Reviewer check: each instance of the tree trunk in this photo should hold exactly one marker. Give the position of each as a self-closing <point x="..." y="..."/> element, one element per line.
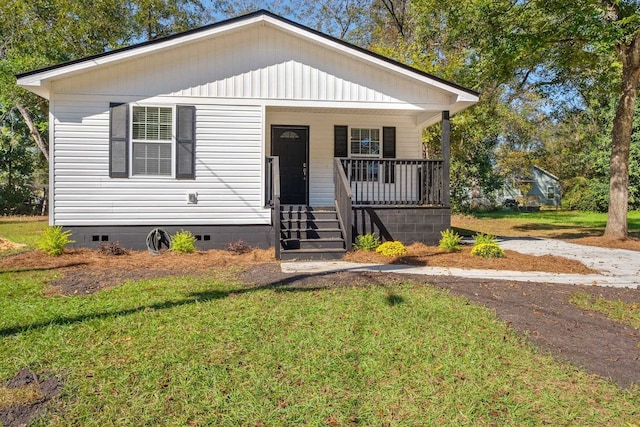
<point x="621" y="141"/>
<point x="33" y="130"/>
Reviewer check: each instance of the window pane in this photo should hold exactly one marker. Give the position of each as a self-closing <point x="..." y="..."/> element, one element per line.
<point x="152" y="123"/>
<point x="151" y="158"/>
<point x="355" y="147"/>
<point x="375" y="147"/>
<point x="165" y="132"/>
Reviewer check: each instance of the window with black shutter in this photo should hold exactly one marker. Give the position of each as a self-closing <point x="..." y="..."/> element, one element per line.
<point x="152" y="141"/>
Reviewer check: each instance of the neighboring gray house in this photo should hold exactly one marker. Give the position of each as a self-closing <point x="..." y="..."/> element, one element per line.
<point x="544" y="189"/>
<point x="256" y="129"/>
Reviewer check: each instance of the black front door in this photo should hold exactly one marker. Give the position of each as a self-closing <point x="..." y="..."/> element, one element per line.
<point x="291" y="145"/>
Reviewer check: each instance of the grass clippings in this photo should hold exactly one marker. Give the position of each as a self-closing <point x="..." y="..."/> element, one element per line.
<point x="8" y="245"/>
<point x="26" y="396"/>
<point x="19" y="396"/>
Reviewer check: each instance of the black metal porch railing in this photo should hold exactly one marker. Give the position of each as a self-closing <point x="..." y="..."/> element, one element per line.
<point x="395" y="182"/>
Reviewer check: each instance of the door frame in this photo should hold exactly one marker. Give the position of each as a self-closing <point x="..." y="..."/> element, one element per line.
<point x="305" y="127"/>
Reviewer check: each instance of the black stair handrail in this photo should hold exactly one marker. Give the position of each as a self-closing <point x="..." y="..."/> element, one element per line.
<point x="274" y="188"/>
<point x="343" y="201"/>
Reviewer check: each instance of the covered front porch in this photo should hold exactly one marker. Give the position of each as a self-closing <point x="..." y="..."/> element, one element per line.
<point x="398" y="198"/>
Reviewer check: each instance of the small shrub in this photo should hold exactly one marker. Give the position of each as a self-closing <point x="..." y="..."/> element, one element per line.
<point x="54" y="240"/>
<point x="238" y="247"/>
<point x="450" y="240"/>
<point x="183" y="242"/>
<point x="111" y="248"/>
<point x="391" y="249"/>
<point x="487" y="250"/>
<point x="367" y="242"/>
<point x="481" y="239"/>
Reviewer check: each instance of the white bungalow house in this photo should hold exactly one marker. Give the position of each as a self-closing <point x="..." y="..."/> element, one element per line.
<point x="256" y="129"/>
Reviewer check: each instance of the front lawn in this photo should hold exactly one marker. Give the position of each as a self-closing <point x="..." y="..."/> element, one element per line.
<point x="210" y="351"/>
<point x="546" y="223"/>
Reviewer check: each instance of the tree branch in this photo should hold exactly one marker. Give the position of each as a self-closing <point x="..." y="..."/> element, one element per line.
<point x="33" y="130"/>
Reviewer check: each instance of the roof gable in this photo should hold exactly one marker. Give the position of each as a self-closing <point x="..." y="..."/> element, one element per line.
<point x="39" y="81"/>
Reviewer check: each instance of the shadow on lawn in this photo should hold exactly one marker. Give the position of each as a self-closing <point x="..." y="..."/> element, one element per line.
<point x="52" y="267"/>
<point x="281" y="284"/>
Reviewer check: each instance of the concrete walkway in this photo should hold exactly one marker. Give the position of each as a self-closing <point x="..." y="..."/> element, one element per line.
<point x="617" y="267"/>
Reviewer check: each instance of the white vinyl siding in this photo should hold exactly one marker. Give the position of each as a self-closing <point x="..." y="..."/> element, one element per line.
<point x="229" y="163"/>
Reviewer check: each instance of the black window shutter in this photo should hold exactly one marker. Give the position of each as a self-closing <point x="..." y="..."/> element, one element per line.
<point x="118" y="140"/>
<point x="340" y="141"/>
<point x="185" y="142"/>
<point x="389" y="152"/>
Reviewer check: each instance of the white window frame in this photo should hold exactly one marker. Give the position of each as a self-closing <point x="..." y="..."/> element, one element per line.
<point x="366" y="156"/>
<point x="553" y="189"/>
<point x="358" y="156"/>
<point x="172" y="142"/>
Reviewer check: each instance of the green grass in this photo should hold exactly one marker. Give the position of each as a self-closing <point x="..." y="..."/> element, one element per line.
<point x="197" y="351"/>
<point x="22" y="230"/>
<point x="560" y="217"/>
<point x="616" y="310"/>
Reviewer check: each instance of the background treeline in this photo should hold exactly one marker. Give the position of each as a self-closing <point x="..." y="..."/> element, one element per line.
<point x="549" y="74"/>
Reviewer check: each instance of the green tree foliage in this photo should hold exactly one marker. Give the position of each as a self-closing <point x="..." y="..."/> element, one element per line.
<point x="480" y="45"/>
<point x="39" y="33"/>
<point x="18" y="160"/>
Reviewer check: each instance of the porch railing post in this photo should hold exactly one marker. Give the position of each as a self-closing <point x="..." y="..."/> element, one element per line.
<point x="343" y="201"/>
<point x="446" y="159"/>
<point x="275" y="213"/>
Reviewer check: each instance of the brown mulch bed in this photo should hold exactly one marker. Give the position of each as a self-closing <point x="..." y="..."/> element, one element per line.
<point x="630" y="243"/>
<point x="432" y="256"/>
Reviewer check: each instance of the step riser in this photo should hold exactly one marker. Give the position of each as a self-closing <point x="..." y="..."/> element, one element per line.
<point x="288" y="256"/>
<point x="316" y="225"/>
<point x="307" y="216"/>
<point x="312" y="244"/>
<point x="310" y="234"/>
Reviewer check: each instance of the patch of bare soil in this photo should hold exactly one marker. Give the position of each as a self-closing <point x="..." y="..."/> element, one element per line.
<point x="541" y="312"/>
<point x="32" y="393"/>
<point x="433" y="256"/>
